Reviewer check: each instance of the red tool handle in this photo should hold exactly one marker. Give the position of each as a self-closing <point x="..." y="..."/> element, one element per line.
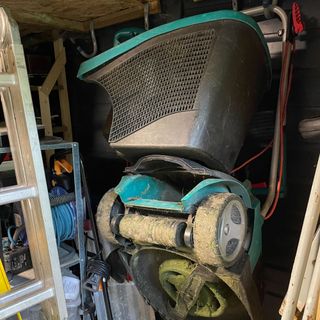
<point x="298" y="26"/>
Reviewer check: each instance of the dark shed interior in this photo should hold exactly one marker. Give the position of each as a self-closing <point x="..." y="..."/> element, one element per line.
<point x="90" y="109"/>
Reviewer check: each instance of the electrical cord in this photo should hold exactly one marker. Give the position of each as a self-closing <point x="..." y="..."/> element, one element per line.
<point x="12" y="241"/>
<point x="253" y="158"/>
<point x="19" y="234"/>
<point x="284" y="96"/>
<point x="64" y="217"/>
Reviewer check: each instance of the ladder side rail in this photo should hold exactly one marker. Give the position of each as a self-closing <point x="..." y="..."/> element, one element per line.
<point x="26" y="154"/>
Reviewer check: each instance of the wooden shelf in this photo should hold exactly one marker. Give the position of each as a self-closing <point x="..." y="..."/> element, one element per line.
<point x="35" y="16"/>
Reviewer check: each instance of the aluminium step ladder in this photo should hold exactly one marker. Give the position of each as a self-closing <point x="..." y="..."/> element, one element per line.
<point x="31" y="188"/>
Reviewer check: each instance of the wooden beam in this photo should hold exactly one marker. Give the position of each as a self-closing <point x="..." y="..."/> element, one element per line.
<point x="128" y="14"/>
<point x="45" y="112"/>
<point x="42" y="19"/>
<point x="35" y="88"/>
<point x="54" y="73"/>
<point x="63" y="93"/>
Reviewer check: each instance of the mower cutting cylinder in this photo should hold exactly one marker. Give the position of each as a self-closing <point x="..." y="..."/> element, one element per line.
<point x="153" y="230"/>
<point x="217" y="234"/>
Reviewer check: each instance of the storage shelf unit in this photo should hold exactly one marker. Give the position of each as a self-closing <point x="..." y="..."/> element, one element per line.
<point x="74" y="147"/>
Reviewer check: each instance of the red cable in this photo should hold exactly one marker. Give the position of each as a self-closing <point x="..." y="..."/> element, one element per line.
<point x="283" y="114"/>
<point x="253" y="158"/>
<point x="280" y="172"/>
<point x="284" y="103"/>
<point x="276" y="199"/>
<point x="283" y="106"/>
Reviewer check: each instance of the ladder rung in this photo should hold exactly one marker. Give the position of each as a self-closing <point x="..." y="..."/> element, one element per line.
<point x="7" y="79"/>
<point x="20" y="291"/>
<point x="22" y="298"/>
<point x="3" y="130"/>
<point x="16" y="193"/>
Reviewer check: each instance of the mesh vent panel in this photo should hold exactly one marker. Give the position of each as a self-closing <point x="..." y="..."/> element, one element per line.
<point x="161" y="80"/>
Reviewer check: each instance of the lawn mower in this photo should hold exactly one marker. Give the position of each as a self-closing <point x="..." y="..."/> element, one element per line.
<point x="183" y="95"/>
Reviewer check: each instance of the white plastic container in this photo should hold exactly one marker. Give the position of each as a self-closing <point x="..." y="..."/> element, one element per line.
<point x="73" y="308"/>
<point x="71" y="286"/>
<point x="127" y="303"/>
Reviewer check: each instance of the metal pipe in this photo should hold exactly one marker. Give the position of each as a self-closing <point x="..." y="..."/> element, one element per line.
<point x="273" y="36"/>
<point x="276" y="136"/>
<point x="146" y="9"/>
<point x="313" y="293"/>
<point x="96" y="239"/>
<point x="94" y="44"/>
<point x="305" y="241"/>
<point x="79" y="219"/>
<point x="284" y="20"/>
<point x="284" y="75"/>
<point x="257" y="11"/>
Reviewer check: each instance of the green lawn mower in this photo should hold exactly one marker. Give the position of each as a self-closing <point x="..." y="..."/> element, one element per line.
<point x="183" y="95"/>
